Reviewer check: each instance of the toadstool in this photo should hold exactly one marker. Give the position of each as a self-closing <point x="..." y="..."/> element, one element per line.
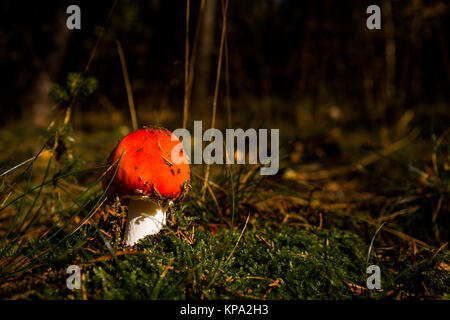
<point x="148" y="178"/>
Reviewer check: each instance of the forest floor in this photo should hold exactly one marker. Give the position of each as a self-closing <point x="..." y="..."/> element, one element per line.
<point x="345" y="198"/>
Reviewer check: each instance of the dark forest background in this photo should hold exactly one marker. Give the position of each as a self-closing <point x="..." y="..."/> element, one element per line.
<point x="311" y="52"/>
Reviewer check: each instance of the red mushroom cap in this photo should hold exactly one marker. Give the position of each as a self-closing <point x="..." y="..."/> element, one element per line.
<point x="146" y="168"/>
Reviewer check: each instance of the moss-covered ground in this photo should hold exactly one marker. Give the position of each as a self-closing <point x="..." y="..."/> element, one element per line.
<point x="309" y="232"/>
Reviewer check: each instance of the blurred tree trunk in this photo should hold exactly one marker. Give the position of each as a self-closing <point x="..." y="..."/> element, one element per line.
<point x="306" y="55"/>
<point x="202" y="85"/>
<point x="416" y="72"/>
<point x="443" y="46"/>
<point x="49" y="67"/>
<point x="404" y="74"/>
<point x="390" y="49"/>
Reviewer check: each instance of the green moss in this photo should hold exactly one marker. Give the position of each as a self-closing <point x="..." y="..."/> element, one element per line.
<point x="267" y="263"/>
<point x="293" y="264"/>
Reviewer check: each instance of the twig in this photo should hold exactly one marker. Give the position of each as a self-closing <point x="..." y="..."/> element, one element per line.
<point x="368" y="160"/>
<point x="436" y="147"/>
<point x="439" y="250"/>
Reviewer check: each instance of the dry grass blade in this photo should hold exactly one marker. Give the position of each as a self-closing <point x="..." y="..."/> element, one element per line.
<point x="219" y="209"/>
<point x="121" y="253"/>
<point x="372" y="241"/>
<point x="397" y="233"/>
<point x="239" y="239"/>
<point x="190" y="70"/>
<point x="89" y="218"/>
<point x="186" y="68"/>
<point x="44" y="153"/>
<point x="398" y="213"/>
<point x="440" y="249"/>
<point x="216" y="89"/>
<point x="227" y="81"/>
<point x="127" y="85"/>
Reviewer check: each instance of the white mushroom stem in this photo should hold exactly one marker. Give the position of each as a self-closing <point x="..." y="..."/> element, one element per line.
<point x="145" y="217"/>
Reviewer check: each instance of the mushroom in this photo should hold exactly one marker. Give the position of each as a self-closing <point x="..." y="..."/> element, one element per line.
<point x="148" y="178"/>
